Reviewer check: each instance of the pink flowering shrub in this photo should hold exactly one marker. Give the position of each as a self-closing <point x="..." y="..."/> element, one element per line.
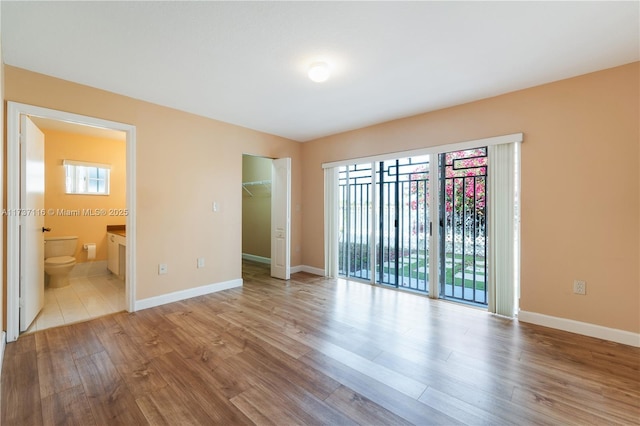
<point x="462" y="168"/>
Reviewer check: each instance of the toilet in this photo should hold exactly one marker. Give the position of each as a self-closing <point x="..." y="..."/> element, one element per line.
<point x="59" y="260"/>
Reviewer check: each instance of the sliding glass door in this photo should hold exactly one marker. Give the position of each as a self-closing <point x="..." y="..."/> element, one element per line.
<point x="463" y="219"/>
<point x="355" y="202"/>
<point x="386" y="223"/>
<point x="402" y="251"/>
<point x="442" y="220"/>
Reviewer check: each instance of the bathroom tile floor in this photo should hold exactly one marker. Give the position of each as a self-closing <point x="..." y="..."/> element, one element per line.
<point x="85" y="298"/>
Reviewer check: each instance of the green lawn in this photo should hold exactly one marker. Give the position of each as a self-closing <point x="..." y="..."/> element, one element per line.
<point x="413" y="266"/>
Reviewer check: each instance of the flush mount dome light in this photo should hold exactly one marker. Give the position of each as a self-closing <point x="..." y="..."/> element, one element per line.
<point x="319" y="72"/>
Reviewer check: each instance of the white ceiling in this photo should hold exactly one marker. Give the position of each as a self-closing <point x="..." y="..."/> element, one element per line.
<point x="80" y="129"/>
<point x="245" y="62"/>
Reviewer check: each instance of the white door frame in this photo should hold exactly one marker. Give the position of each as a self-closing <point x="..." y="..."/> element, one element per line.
<point x="271" y="209"/>
<point x="14" y="111"/>
<point x="281" y="226"/>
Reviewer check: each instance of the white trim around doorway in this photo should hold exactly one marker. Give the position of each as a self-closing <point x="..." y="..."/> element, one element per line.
<point x="14" y="111"/>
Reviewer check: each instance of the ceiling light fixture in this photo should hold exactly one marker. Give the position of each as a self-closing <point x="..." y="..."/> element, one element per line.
<point x="319" y="72"/>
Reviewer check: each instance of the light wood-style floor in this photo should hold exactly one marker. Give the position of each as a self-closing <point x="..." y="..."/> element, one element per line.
<point x="315" y="351"/>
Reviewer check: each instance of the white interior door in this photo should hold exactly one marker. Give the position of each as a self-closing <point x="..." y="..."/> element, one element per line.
<point x="32" y="222"/>
<point x="281" y="218"/>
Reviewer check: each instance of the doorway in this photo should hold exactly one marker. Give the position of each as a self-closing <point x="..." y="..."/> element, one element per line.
<point x="386" y="223"/>
<point x="16" y="291"/>
<point x="385" y="216"/>
<point x="468" y="196"/>
<point x="266" y="211"/>
<point x="463" y="225"/>
<point x="256" y="208"/>
<point x="84" y="195"/>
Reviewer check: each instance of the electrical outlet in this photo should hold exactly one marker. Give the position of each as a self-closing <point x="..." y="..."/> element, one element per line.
<point x="201" y="262"/>
<point x="580" y="287"/>
<point x="162" y="269"/>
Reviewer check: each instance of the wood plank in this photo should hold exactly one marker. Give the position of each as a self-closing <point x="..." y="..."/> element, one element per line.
<point x="291" y="369"/>
<point x="573" y="396"/>
<point x="144" y="338"/>
<point x="246" y="405"/>
<point x="557" y="369"/>
<point x="269" y="334"/>
<point x="203" y="353"/>
<point x="436" y="371"/>
<point x="21" y="403"/>
<point x="155" y="319"/>
<point x="169" y="406"/>
<point x="152" y="412"/>
<point x="264" y="379"/>
<point x="559" y="410"/>
<point x="110" y="400"/>
<point x="56" y="367"/>
<point x="481" y="395"/>
<point x="283" y="407"/>
<point x="131" y="359"/>
<point x="460" y="409"/>
<point x="83" y="341"/>
<point x="68" y="407"/>
<point x="190" y="383"/>
<point x="26" y="343"/>
<point x="196" y="322"/>
<point x="408" y="408"/>
<point x="227" y="380"/>
<point x="361" y="409"/>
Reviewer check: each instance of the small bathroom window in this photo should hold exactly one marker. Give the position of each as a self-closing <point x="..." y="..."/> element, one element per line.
<point x="86" y="178"/>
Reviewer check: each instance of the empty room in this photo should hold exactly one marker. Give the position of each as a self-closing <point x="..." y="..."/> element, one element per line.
<point x="292" y="213"/>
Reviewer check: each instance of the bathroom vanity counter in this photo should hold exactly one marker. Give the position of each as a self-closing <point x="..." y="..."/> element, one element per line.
<point x="116" y="249"/>
<point x="117" y="230"/>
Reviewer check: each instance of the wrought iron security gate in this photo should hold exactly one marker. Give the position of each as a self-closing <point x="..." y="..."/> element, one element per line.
<point x="355" y="215"/>
<point x="403" y="235"/>
<point x="402" y="246"/>
<point x="463" y="232"/>
<point x="402" y="229"/>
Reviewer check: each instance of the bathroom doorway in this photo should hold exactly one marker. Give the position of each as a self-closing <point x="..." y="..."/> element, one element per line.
<point x="84" y="196"/>
<point x="65" y="127"/>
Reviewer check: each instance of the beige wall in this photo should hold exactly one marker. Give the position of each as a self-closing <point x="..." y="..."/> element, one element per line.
<point x="256" y="207"/>
<point x="184" y="163"/>
<point x="61" y="146"/>
<point x="3" y="246"/>
<point x="580" y="186"/>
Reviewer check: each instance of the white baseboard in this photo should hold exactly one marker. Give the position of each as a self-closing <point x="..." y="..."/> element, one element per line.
<point x="295" y="269"/>
<point x="255" y="258"/>
<point x="176" y="296"/>
<point x="308" y="269"/>
<point x="584" y="328"/>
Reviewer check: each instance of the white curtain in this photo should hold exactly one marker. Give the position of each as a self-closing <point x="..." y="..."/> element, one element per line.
<point x="331" y="230"/>
<point x="503" y="229"/>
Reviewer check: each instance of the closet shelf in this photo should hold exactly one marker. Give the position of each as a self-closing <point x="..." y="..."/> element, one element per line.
<point x="262" y="183"/>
